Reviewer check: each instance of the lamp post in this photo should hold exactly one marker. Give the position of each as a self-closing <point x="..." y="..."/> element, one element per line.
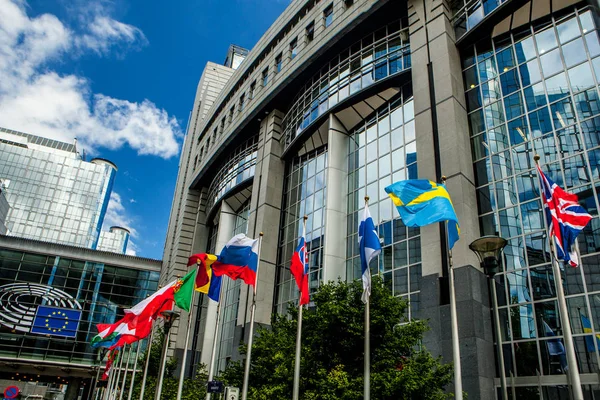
<point x="488" y="250"/>
<point x="169" y="317"/>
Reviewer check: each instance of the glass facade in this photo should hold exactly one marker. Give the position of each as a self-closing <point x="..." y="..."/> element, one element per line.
<point x="304" y="194"/>
<point x="231" y="299"/>
<point x="95" y="292"/>
<point x="469" y="13"/>
<point x="53" y="194"/>
<point x="382" y="53"/>
<point x="114" y="241"/>
<point x="536" y="91"/>
<point x="382" y="150"/>
<point x="238" y="168"/>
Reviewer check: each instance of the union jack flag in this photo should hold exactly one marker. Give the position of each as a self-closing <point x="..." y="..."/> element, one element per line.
<point x="565" y="218"/>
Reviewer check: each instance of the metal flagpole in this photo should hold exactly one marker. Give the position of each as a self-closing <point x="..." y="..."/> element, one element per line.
<point x="296" y="390"/>
<point x="111" y="376"/>
<point x="148" y="351"/>
<point x="116" y="385"/>
<point x="500" y="350"/>
<point x="137" y="356"/>
<point x="573" y="370"/>
<point x="94" y="392"/>
<point x="125" y="374"/>
<point x="185" y="347"/>
<point x="367" y="346"/>
<point x="458" y="394"/>
<point x="213" y="354"/>
<point x="108" y="383"/>
<point x="251" y="333"/>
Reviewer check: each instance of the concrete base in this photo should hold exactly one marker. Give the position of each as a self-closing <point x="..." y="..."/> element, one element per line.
<point x="474" y="327"/>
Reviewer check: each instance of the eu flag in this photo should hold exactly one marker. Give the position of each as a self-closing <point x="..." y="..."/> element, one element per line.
<point x="56" y="321"/>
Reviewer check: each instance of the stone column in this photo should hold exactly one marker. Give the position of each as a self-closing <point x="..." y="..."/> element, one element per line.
<point x="443" y="148"/>
<point x="264" y="216"/>
<point x="73" y="389"/>
<point x="226" y="226"/>
<point x="334" y="248"/>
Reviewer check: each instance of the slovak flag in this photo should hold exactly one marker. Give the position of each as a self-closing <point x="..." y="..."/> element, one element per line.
<point x="299" y="268"/>
<point x="369" y="247"/>
<point x="565" y="218"/>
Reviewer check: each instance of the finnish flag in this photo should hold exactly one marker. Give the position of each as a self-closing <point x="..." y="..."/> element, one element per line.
<point x="369" y="246"/>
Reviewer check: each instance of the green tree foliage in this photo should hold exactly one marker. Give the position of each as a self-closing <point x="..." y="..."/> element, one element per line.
<point x="332" y="362"/>
<point x="193" y="389"/>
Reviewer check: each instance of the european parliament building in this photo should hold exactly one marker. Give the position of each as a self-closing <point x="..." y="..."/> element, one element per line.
<point x="340" y="98"/>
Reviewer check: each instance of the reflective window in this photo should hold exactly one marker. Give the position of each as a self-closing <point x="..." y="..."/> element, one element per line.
<point x="373" y="58"/>
<point x="555" y="115"/>
<point x="304" y="194"/>
<point x="382" y="150"/>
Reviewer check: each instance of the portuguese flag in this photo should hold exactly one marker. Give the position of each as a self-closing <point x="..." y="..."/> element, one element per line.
<point x="184" y="289"/>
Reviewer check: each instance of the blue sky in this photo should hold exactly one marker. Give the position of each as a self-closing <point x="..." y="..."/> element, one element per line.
<point x="121" y="77"/>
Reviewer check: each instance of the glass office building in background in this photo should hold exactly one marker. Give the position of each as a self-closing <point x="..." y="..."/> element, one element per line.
<point x="53" y="194"/>
<point x="339" y="99"/>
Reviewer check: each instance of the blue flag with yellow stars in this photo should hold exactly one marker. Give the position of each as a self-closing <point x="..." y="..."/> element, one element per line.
<point x="56" y="321"/>
<point x="422" y="202"/>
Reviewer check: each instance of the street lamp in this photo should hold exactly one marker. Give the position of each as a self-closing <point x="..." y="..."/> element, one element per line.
<point x="169" y="317"/>
<point x="488" y="250"/>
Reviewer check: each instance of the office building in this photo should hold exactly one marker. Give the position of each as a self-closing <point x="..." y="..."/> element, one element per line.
<point x="43" y="282"/>
<point x="340" y="98"/>
<point x="54" y="195"/>
<point x="114" y="240"/>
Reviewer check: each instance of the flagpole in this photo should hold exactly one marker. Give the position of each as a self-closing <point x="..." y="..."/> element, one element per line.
<point x="251" y="333"/>
<point x="213" y="354"/>
<point x="458" y="393"/>
<point x="137" y="355"/>
<point x="573" y="370"/>
<point x="185" y="347"/>
<point x="109" y="380"/>
<point x="111" y="375"/>
<point x="148" y="351"/>
<point x="116" y="387"/>
<point x="296" y="390"/>
<point x="367" y="344"/>
<point x="125" y="374"/>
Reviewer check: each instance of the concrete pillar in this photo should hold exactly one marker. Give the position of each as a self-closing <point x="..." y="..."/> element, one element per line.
<point x="73" y="389"/>
<point x="443" y="134"/>
<point x="264" y="216"/>
<point x="334" y="248"/>
<point x="226" y="226"/>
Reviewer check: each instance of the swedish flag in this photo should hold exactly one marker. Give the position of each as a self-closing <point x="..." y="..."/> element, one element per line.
<point x="422" y="202"/>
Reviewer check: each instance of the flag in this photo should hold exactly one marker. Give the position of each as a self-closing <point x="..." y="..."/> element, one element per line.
<point x="369" y="247"/>
<point x="183" y="290"/>
<point x="211" y="284"/>
<point x="565" y="218"/>
<point x="202" y="277"/>
<point x="148" y="310"/>
<point x="56" y="321"/>
<point x="299" y="268"/>
<point x="238" y="259"/>
<point x="555" y="346"/>
<point x="109" y="362"/>
<point x="422" y="202"/>
<point x="587" y="328"/>
<point x="124" y="331"/>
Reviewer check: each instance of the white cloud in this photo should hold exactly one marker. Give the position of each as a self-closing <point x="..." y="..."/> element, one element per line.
<point x="38" y="100"/>
<point x="116" y="215"/>
<point x="132" y="249"/>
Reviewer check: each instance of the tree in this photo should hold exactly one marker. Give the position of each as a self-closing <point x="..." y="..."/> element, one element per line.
<point x="332" y="360"/>
<point x="193" y="388"/>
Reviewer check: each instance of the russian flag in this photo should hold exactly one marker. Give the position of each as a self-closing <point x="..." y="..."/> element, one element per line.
<point x="238" y="259"/>
<point x="299" y="268"/>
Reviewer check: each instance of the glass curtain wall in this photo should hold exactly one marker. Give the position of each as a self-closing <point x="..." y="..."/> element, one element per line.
<point x="383" y="150"/>
<point x="304" y="194"/>
<point x="102" y="291"/>
<point x="536" y="91"/>
<point x="231" y="298"/>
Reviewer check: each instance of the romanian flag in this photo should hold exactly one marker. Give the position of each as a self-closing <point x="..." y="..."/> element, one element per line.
<point x="422" y="202"/>
<point x="206" y="282"/>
